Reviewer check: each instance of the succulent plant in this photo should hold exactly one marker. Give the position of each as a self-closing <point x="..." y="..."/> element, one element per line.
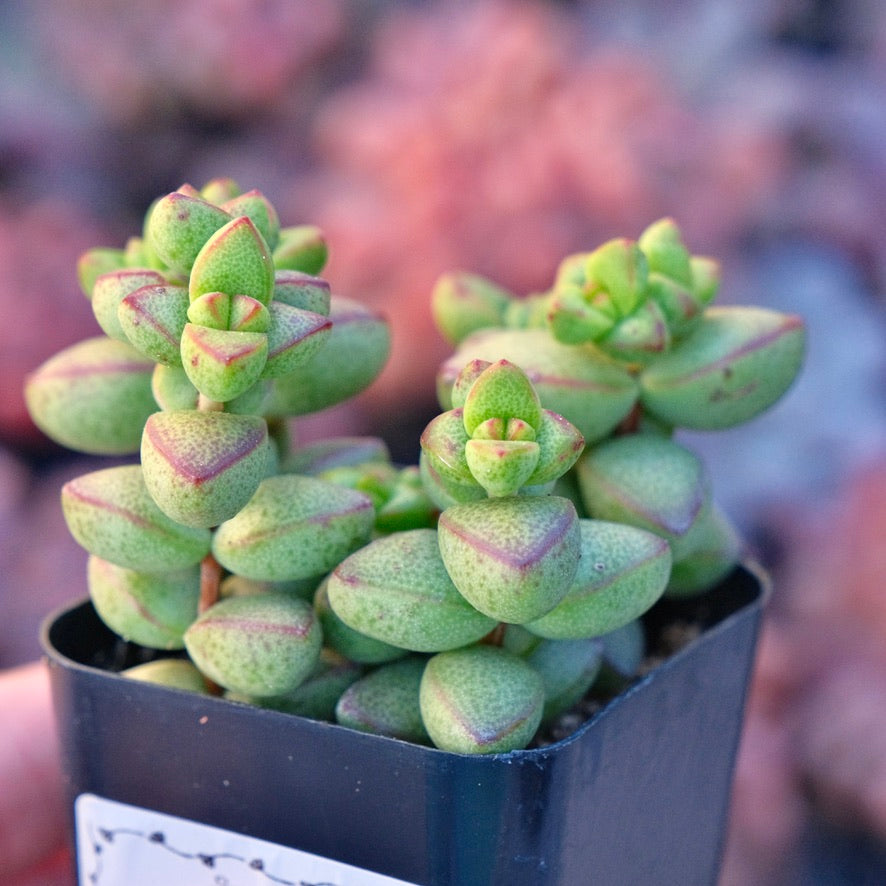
<point x="461" y="601"/>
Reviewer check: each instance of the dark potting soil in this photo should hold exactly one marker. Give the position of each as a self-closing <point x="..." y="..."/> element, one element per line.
<point x="668" y="639"/>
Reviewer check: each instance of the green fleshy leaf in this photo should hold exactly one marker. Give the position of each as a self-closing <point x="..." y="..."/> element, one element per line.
<point x="623" y="652"/>
<point x="529" y="312"/>
<point x="385" y="702"/>
<point x="560" y="445"/>
<point x="622" y="572"/>
<point x="151" y="609"/>
<point x="647" y="481"/>
<point x="442" y="489"/>
<point x="219" y="190"/>
<point x="174" y="673"/>
<point x="202" y="467"/>
<point x="464" y="381"/>
<point x="512" y="558"/>
<point x="480" y="700"/>
<point x="568" y="669"/>
<point x="641" y="336"/>
<point x="397" y="590"/>
<point x="262" y="645"/>
<point x="502" y="390"/>
<point x="295" y="337"/>
<point x="153" y="318"/>
<point x="620" y="268"/>
<point x="94" y="396"/>
<point x="461" y="303"/>
<point x="294" y="527"/>
<point x="316" y="696"/>
<point x="374" y="480"/>
<point x="353" y="645"/>
<point x="714" y="548"/>
<point x="95" y="262"/>
<point x="111" y="514"/>
<point x="222" y="364"/>
<point x="255" y="206"/>
<point x="409" y="506"/>
<point x="303" y="291"/>
<point x="443" y="444"/>
<point x="235" y="260"/>
<point x="239" y="313"/>
<point x="172" y="389"/>
<point x="111" y="288"/>
<point x="501" y="467"/>
<point x="736" y="363"/>
<point x="705" y="278"/>
<point x="179" y="225"/>
<point x="662" y="244"/>
<point x="573" y="319"/>
<point x="678" y="303"/>
<point x="351" y="359"/>
<point x="301" y="248"/>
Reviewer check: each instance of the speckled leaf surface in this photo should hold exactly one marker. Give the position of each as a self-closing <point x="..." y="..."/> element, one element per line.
<point x="294" y="527"/>
<point x="397" y="590"/>
<point x="202" y="467"/>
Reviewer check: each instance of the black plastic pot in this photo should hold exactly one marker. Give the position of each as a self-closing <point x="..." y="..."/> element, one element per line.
<point x="638" y="795"/>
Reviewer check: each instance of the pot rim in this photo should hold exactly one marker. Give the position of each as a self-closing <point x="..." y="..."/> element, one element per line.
<point x="758" y="593"/>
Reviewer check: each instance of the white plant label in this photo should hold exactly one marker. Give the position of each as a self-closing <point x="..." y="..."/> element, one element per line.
<point x="123" y="845"/>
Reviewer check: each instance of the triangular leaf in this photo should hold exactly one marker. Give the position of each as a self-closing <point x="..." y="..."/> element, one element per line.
<point x="235" y="260"/>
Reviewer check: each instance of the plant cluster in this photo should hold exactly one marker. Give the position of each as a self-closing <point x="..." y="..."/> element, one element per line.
<point x="463" y="601"/>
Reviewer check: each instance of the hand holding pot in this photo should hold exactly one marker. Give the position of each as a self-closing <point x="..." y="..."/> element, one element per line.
<point x="33" y="818"/>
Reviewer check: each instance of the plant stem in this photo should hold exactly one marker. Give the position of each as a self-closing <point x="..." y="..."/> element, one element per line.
<point x="210" y="582"/>
<point x="210" y="569"/>
<point x="496" y="636"/>
<point x="204" y="404"/>
<point x="630" y="424"/>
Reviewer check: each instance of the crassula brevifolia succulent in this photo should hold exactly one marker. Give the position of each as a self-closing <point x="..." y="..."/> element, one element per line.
<point x="463" y="601"/>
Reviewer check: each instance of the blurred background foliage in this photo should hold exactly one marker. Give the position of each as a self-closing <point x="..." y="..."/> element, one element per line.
<point x="497" y="137"/>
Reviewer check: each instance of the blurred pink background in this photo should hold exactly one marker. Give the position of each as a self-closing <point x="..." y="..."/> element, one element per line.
<point x="497" y="137"/>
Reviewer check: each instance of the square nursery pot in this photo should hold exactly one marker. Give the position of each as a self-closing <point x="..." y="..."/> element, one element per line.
<point x="173" y="787"/>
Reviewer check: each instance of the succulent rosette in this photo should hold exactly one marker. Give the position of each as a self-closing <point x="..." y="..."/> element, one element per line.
<point x="462" y="601"/>
<point x="498" y="438"/>
<point x="632" y="298"/>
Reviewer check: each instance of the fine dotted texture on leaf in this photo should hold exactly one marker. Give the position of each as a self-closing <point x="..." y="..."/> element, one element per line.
<point x="480" y="700"/>
<point x="647" y="481"/>
<point x="109" y="291"/>
<point x="354" y="354"/>
<point x="736" y="363"/>
<point x="622" y="572"/>
<point x="152" y="609"/>
<point x="111" y="514"/>
<point x="262" y="645"/>
<point x="583" y="386"/>
<point x="153" y="319"/>
<point x="179" y="225"/>
<point x="234" y="260"/>
<point x="294" y="527"/>
<point x="513" y="558"/>
<point x="397" y="590"/>
<point x="220" y="363"/>
<point x="94" y="396"/>
<point x="202" y="467"/>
